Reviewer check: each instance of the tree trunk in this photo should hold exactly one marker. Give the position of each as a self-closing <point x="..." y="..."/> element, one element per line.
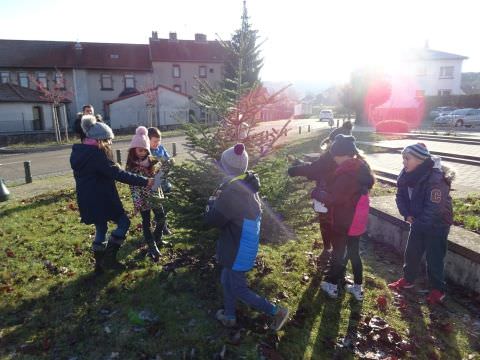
<point x="55" y="124"/>
<point x="66" y="122"/>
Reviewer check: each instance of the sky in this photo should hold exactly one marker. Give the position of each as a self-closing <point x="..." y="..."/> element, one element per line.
<point x="310" y="41"/>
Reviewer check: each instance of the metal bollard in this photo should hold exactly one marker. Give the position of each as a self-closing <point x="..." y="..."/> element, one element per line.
<point x="174" y="149"/>
<point x="338" y="123"/>
<point x="28" y="172"/>
<point x="299" y="130"/>
<point x="119" y="157"/>
<point x="308" y="128"/>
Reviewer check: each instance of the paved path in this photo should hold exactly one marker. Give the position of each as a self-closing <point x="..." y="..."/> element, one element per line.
<point x="452" y="148"/>
<point x="467" y="176"/>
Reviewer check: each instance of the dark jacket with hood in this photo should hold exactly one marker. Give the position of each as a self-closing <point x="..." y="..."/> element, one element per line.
<point x="235" y="209"/>
<point x="95" y="177"/>
<point x="347" y="198"/>
<point x="424" y="194"/>
<point x="321" y="170"/>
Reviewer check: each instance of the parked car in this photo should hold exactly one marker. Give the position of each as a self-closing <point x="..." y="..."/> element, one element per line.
<point x="442" y="110"/>
<point x="326" y="115"/>
<point x="461" y="117"/>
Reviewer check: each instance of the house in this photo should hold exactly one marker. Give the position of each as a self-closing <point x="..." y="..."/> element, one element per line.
<point x="97" y="73"/>
<point x="160" y="106"/>
<point x="435" y="72"/>
<point x="25" y="110"/>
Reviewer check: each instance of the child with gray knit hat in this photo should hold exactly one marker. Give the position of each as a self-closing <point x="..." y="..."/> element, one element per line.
<point x="95" y="174"/>
<point x="235" y="208"/>
<point x="423" y="199"/>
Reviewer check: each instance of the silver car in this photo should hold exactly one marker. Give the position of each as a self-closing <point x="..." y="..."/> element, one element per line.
<point x="461" y="117"/>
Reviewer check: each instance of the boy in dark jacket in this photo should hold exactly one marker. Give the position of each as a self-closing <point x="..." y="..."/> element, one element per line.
<point x="423" y="199"/>
<point x="235" y="209"/>
<point x="97" y="197"/>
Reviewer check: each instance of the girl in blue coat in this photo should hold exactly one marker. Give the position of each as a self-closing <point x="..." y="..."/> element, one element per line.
<point x="95" y="174"/>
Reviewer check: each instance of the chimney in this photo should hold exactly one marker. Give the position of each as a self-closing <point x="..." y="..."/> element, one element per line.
<point x="200" y="37"/>
<point x="154" y="35"/>
<point x="172" y="36"/>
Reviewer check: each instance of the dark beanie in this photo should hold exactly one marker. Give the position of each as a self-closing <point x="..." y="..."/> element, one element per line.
<point x="343" y="145"/>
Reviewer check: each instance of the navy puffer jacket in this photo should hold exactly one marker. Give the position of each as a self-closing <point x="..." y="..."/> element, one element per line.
<point x="95" y="177"/>
<point x="426" y="195"/>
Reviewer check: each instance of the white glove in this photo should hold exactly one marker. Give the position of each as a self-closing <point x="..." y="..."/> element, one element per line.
<point x="157" y="181"/>
<point x="319" y="207"/>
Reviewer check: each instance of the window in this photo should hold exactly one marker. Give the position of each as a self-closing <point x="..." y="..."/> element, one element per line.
<point x="211" y="70"/>
<point x="176" y="71"/>
<point x="177" y="88"/>
<point x="106" y="82"/>
<point x="59" y="80"/>
<point x="446" y="72"/>
<point x="23" y="79"/>
<point x="444" y="92"/>
<point x="42" y="78"/>
<point x="202" y="71"/>
<point x="419" y="93"/>
<point x="4" y="77"/>
<point x="129" y="81"/>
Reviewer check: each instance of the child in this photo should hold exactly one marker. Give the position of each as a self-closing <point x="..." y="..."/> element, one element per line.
<point x="322" y="171"/>
<point x="424" y="201"/>
<point x="98" y="201"/>
<point x="159" y="151"/>
<point x="235" y="209"/>
<point x="139" y="161"/>
<point x="347" y="199"/>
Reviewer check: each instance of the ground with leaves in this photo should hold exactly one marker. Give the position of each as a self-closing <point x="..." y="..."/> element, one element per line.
<point x="51" y="305"/>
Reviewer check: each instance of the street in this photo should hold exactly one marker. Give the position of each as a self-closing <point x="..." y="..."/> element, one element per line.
<point x="57" y="161"/>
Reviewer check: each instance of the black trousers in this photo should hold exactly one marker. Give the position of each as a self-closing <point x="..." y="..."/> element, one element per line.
<point x="345" y="248"/>
<point x="431" y="241"/>
<point x="325" y="230"/>
<point x="159" y="216"/>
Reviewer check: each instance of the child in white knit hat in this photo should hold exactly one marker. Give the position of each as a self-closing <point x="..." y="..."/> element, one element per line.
<point x="145" y="200"/>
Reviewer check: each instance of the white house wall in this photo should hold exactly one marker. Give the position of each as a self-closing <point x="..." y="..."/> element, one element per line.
<point x="172" y="109"/>
<point x="431" y="82"/>
<point x="18" y="117"/>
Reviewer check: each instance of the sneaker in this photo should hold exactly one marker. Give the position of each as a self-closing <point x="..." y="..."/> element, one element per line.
<point x="400" y="284"/>
<point x="225" y="320"/>
<point x="279" y="318"/>
<point x="435" y="297"/>
<point x="330" y="289"/>
<point x="356" y="290"/>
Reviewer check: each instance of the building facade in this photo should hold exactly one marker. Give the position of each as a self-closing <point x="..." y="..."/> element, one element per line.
<point x="98" y="73"/>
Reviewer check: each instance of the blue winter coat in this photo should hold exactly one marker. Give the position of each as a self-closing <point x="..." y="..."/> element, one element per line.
<point x="428" y="201"/>
<point x="95" y="177"/>
<point x="236" y="210"/>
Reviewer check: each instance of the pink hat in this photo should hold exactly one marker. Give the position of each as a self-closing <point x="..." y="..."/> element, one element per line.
<point x="140" y="139"/>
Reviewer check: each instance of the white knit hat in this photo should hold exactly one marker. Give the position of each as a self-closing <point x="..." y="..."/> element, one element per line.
<point x="95" y="129"/>
<point x="234" y="160"/>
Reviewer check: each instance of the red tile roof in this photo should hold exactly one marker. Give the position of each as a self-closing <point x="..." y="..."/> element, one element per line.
<point x="14" y="93"/>
<point x="63" y="54"/>
<point x="186" y="50"/>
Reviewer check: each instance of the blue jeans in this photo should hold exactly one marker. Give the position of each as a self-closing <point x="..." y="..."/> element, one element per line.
<point x="100" y="241"/>
<point x="235" y="288"/>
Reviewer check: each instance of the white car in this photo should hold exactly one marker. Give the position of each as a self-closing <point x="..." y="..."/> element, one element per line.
<point x="461" y="117"/>
<point x="326" y="115"/>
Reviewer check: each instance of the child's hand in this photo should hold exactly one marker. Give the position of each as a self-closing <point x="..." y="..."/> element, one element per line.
<point x="150" y="183"/>
<point x="409" y="219"/>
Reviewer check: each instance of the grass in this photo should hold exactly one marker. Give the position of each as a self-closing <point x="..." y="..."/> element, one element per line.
<point x="467" y="212"/>
<point x="52" y="307"/>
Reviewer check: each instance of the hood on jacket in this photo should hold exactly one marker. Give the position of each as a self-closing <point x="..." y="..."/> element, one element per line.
<point x="81" y="155"/>
<point x="449" y="174"/>
<point x="251" y="183"/>
<point x="362" y="171"/>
